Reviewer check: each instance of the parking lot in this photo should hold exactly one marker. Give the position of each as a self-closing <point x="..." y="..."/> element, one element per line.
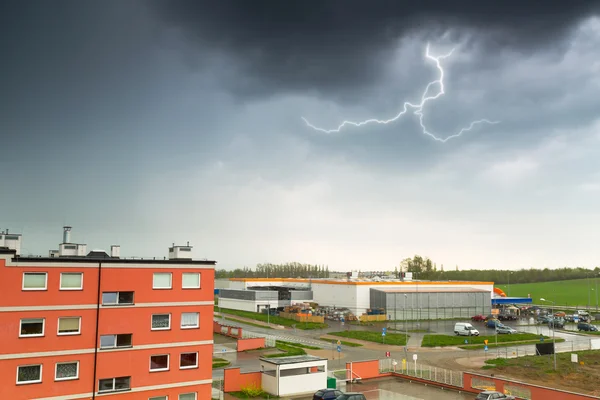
<point x="399" y="389"/>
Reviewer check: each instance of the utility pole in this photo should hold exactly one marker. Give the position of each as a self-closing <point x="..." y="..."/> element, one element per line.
<point x="553" y="329"/>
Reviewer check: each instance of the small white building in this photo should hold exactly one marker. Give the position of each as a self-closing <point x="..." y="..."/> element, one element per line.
<point x="294" y="375"/>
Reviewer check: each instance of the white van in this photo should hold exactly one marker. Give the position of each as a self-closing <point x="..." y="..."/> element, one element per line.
<point x="465" y="329"/>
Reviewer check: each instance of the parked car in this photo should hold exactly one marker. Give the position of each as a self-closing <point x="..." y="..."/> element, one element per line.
<point x="543" y="320"/>
<point x="584" y="326"/>
<point x="351" y="396"/>
<point x="507" y="317"/>
<point x="556" y="323"/>
<point x="465" y="329"/>
<point x="489" y="395"/>
<point x="327" y="394"/>
<point x="478" y="318"/>
<point x="505" y="329"/>
<point x="493" y="323"/>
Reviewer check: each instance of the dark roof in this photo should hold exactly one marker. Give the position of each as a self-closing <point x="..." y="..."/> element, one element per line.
<point x="97" y="254"/>
<point x="111" y="260"/>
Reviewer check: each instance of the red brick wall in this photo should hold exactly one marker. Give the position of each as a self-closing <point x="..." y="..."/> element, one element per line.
<point x="234" y="381"/>
<point x="250" y="344"/>
<point x="365" y="369"/>
<point x="537" y="392"/>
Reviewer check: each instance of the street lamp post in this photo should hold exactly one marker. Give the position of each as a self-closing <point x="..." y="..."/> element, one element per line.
<point x="509" y="272"/>
<point x="405" y="320"/>
<point x="553" y="329"/>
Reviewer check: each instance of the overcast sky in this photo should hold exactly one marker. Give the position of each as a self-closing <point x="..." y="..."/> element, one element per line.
<point x="147" y="123"/>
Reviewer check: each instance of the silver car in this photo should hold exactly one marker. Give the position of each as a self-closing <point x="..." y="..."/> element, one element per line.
<point x="505" y="329"/>
<point x="489" y="395"/>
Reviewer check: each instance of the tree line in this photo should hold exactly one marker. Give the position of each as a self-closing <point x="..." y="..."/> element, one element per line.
<point x="424" y="268"/>
<point x="287" y="270"/>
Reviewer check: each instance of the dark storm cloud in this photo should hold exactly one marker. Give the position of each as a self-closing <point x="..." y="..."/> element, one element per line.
<point x="326" y="44"/>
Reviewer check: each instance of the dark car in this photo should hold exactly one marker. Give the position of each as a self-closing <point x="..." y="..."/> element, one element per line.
<point x="556" y="323"/>
<point x="489" y="395"/>
<point x="493" y="323"/>
<point x="583" y="326"/>
<point x="507" y="317"/>
<point x="327" y="394"/>
<point x="351" y="396"/>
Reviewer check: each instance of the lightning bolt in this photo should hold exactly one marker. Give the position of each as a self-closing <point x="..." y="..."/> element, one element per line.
<point x="417" y="108"/>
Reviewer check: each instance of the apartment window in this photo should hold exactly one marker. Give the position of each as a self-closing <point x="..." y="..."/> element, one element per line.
<point x="190" y="280"/>
<point x="66" y="371"/>
<point x="188" y="396"/>
<point x="35" y="280"/>
<point x="161" y="322"/>
<point x="159" y="398"/>
<point x="71" y="281"/>
<point x="190" y="320"/>
<point x="162" y="280"/>
<point x="32" y="327"/>
<point x="29" y="374"/>
<point x="69" y="325"/>
<point x="114" y="384"/>
<point x="116" y="341"/>
<point x="117" y="298"/>
<point x="188" y="360"/>
<point x="159" y="362"/>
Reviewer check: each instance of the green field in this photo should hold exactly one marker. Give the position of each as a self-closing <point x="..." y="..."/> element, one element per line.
<point x="391" y="338"/>
<point x="271" y="319"/>
<point x="447" y="340"/>
<point x="573" y="293"/>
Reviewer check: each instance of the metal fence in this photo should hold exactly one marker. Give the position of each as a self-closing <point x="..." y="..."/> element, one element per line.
<point x="579" y="344"/>
<point x="269" y="340"/>
<point x="217" y="389"/>
<point x="422" y="371"/>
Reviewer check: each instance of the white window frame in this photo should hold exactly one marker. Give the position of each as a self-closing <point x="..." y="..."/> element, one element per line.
<point x="191" y="287"/>
<point x="34" y="289"/>
<point x="160" y="329"/>
<point x="182" y="394"/>
<point x="115" y="341"/>
<point x="59" y="333"/>
<point x="30" y="382"/>
<point x="71" y="273"/>
<point x="189" y="366"/>
<point x="190" y="327"/>
<point x="160" y="369"/>
<point x="35" y="335"/>
<point x="159" y="287"/>
<point x="70" y="378"/>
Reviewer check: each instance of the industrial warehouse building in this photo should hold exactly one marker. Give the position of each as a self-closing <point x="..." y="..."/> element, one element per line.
<point x="401" y="299"/>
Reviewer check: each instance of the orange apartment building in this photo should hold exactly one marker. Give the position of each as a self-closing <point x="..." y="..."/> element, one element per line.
<point x="76" y="326"/>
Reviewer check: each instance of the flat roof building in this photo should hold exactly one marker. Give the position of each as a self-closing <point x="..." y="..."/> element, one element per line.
<point x="80" y="326"/>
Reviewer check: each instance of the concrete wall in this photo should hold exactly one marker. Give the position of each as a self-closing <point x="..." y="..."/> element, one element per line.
<point x="233" y="304"/>
<point x="250" y="344"/>
<point x="304" y="383"/>
<point x="234" y="380"/>
<point x="364" y="369"/>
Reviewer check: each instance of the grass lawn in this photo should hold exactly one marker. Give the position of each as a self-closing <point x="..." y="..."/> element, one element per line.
<point x="272" y="319"/>
<point x="447" y="340"/>
<point x="343" y="342"/>
<point x="287" y="349"/>
<point x="564" y="293"/>
<point x="395" y="339"/>
<point x="239" y="321"/>
<point x="302" y="346"/>
<point x="219" y="363"/>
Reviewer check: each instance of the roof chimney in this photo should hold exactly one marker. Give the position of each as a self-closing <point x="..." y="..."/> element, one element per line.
<point x="66" y="234"/>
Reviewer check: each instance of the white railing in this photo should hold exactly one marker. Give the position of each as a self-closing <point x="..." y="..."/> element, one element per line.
<point x="217" y="389"/>
<point x="269" y="340"/>
<point x="423" y="371"/>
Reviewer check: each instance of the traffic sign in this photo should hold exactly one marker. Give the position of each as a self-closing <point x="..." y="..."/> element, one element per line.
<point x="384" y="329"/>
<point x="387" y="353"/>
<point x="485" y="348"/>
<point x="339" y="342"/>
<point x="485" y="341"/>
<point x="339" y="349"/>
<point x="383" y="333"/>
<point x="466" y="341"/>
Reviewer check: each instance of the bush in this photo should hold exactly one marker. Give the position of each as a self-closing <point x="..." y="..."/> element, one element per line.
<point x="252" y="391"/>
